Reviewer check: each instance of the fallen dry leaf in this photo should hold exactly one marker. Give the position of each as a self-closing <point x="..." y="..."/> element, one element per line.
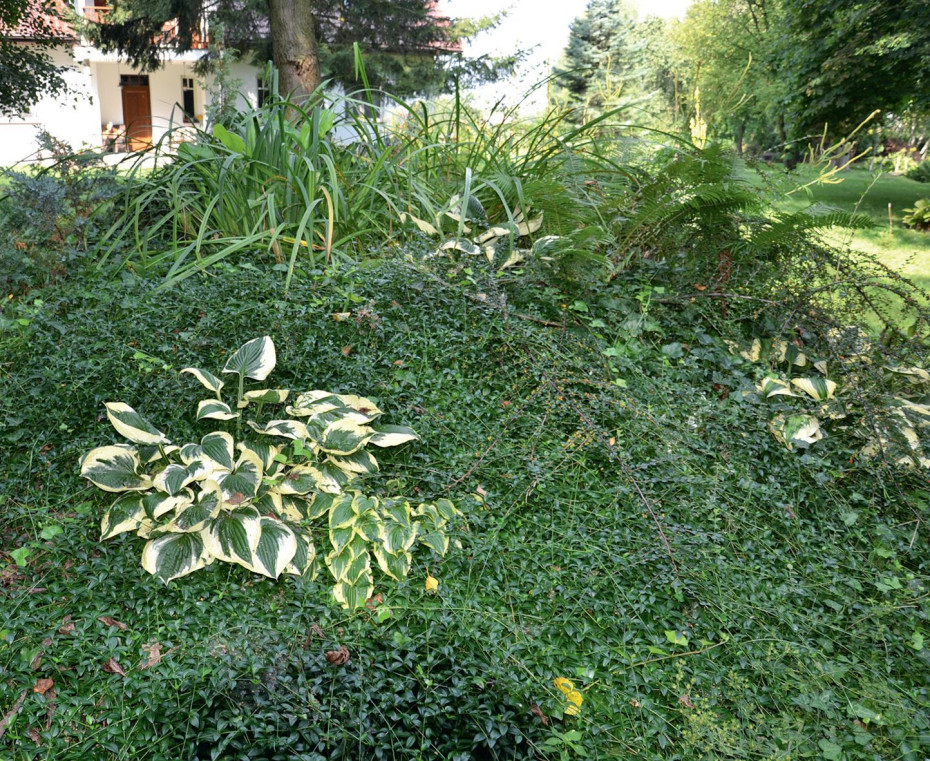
<point x="109" y="621"/>
<point x="34" y="735"/>
<point x="8" y="716"/>
<point x="685" y="700"/>
<point x="43" y="685"/>
<point x="537" y="711"/>
<point x="112" y="667"/>
<point x="338" y="657"/>
<point x="346" y="351"/>
<point x="66" y="625"/>
<point x="152" y="654"/>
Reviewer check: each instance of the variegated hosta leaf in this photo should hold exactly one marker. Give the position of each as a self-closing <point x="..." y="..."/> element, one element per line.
<point x="304" y="556"/>
<point x="770" y="387"/>
<point x="365" y="410"/>
<point x="353" y="596"/>
<point x="132" y="425"/>
<point x="290" y="429"/>
<point x="494" y="234"/>
<point x="361" y="463"/>
<point x="242" y="482"/>
<point x="465" y="246"/>
<point x="114" y="468"/>
<point x="359" y="567"/>
<point x="194" y="517"/>
<point x="917" y="373"/>
<point x="293" y="507"/>
<point x="516" y="257"/>
<point x="276" y="547"/>
<point x="788" y="353"/>
<point x="218" y="446"/>
<point x="794" y="430"/>
<point x="207" y="379"/>
<point x="174" y="555"/>
<point x="342" y="512"/>
<point x="525" y="228"/>
<point x="336" y="475"/>
<point x="214" y="409"/>
<point x="341" y="558"/>
<point x="125" y="514"/>
<point x="254" y="359"/>
<point x="232" y="536"/>
<point x="175" y="477"/>
<point x="264" y="450"/>
<point x="754" y="353"/>
<point x="312" y="403"/>
<point x="369" y="526"/>
<point x="321" y="504"/>
<point x="148" y="453"/>
<point x="344" y="437"/>
<point x="816" y="387"/>
<point x="421" y="224"/>
<point x="821" y="366"/>
<point x="398" y="537"/>
<point x="267" y="395"/>
<point x="436" y="514"/>
<point x="922" y="411"/>
<point x="392" y="435"/>
<point x="303" y="479"/>
<point x="397" y="566"/>
<point x="156" y="504"/>
<point x="436" y="541"/>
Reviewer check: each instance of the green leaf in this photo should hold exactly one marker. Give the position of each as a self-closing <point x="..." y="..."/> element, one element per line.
<point x="132" y="425"/>
<point x="207" y="379"/>
<point x="230" y="139"/>
<point x="242" y="482"/>
<point x="276" y="547"/>
<point x="341" y="512"/>
<point x="174" y="478"/>
<point x="125" y="514"/>
<point x="358" y="463"/>
<point x="156" y="504"/>
<point x="20" y="556"/>
<point x="353" y="596"/>
<point x="194" y="517"/>
<point x="213" y="409"/>
<point x="343" y="437"/>
<point x="392" y="435"/>
<point x="254" y="359"/>
<point x="233" y="536"/>
<point x="50" y="532"/>
<point x="114" y="468"/>
<point x="816" y="387"/>
<point x="267" y="395"/>
<point x="676" y="638"/>
<point x="771" y="386"/>
<point x="436" y="541"/>
<point x="398" y="537"/>
<point x="831" y="751"/>
<point x="218" y="446"/>
<point x="174" y="555"/>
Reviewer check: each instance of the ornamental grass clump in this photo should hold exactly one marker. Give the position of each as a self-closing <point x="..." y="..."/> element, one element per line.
<point x="265" y="502"/>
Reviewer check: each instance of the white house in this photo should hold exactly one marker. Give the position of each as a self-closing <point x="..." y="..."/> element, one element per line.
<point x="113" y="105"/>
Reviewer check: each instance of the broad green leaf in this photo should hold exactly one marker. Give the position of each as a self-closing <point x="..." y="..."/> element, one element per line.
<point x="321" y="504"/>
<point x="353" y="596"/>
<point x="231" y="140"/>
<point x="125" y="514"/>
<point x="233" y="536"/>
<point x="242" y="482"/>
<point x="174" y="555"/>
<point x="114" y="468"/>
<point x="397" y="566"/>
<point x="254" y="359"/>
<point x="360" y="462"/>
<point x="267" y="395"/>
<point x="292" y="507"/>
<point x="392" y="435"/>
<point x="446" y="509"/>
<point x="208" y="380"/>
<point x="218" y="446"/>
<point x="369" y="526"/>
<point x="344" y="437"/>
<point x="398" y="537"/>
<point x="336" y="476"/>
<point x="214" y="409"/>
<point x="397" y="511"/>
<point x="174" y="478"/>
<point x="816" y="387"/>
<point x="301" y="479"/>
<point x="194" y="517"/>
<point x="276" y="547"/>
<point x="290" y="429"/>
<point x="340" y="538"/>
<point x="436" y="541"/>
<point x="789" y="353"/>
<point x="157" y="504"/>
<point x="771" y="386"/>
<point x="304" y="555"/>
<point x="264" y="450"/>
<point x="132" y="425"/>
<point x="342" y="512"/>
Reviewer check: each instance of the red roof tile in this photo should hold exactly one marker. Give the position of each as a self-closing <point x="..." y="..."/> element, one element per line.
<point x="37" y="24"/>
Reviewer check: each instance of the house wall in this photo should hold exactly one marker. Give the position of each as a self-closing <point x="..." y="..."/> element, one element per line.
<point x="72" y="117"/>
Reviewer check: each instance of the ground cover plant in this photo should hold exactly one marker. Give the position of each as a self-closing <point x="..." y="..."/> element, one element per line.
<point x="644" y="566"/>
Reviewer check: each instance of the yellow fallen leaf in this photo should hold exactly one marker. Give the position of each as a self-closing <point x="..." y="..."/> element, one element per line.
<point x="432" y="583"/>
<point x="564" y="685"/>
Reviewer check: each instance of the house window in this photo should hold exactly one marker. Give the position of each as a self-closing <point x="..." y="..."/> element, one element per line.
<point x="264" y="92"/>
<point x="134" y="80"/>
<point x="187" y="103"/>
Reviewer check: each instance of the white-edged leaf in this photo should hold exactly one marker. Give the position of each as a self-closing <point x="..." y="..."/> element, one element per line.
<point x="242" y="482"/>
<point x="303" y="479"/>
<point x="232" y="536"/>
<point x="214" y="409"/>
<point x="114" y="468"/>
<point x="290" y="429"/>
<point x="365" y="410"/>
<point x="157" y="504"/>
<point x="219" y="447"/>
<point x="175" y="477"/>
<point x="132" y="425"/>
<point x="754" y="352"/>
<point x="396" y="566"/>
<point x="267" y="395"/>
<point x="435" y="540"/>
<point x="770" y="387"/>
<point x="171" y="556"/>
<point x="343" y="437"/>
<point x="795" y="430"/>
<point x="125" y="514"/>
<point x="276" y="547"/>
<point x="254" y="359"/>
<point x="207" y="379"/>
<point x="304" y="556"/>
<point x="360" y="462"/>
<point x="353" y="596"/>
<point x="815" y="387"/>
<point x="421" y="224"/>
<point x="263" y="450"/>
<point x="915" y="372"/>
<point x="465" y="246"/>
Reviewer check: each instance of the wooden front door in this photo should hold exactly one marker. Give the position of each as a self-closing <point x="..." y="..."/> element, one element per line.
<point x="137" y="111"/>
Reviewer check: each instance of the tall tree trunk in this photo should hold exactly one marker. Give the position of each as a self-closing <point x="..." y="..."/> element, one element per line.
<point x="293" y="37"/>
<point x="740" y="134"/>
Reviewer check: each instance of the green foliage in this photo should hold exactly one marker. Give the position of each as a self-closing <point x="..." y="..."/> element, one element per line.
<point x="918" y="216"/>
<point x="254" y="503"/>
<point x="919" y="172"/>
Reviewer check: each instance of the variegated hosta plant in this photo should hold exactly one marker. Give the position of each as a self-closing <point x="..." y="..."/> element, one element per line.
<point x="265" y="502"/>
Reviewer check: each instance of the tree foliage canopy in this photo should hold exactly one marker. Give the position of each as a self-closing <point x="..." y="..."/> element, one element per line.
<point x="28" y="31"/>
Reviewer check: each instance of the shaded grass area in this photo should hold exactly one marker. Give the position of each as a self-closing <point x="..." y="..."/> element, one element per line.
<point x="711" y="594"/>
